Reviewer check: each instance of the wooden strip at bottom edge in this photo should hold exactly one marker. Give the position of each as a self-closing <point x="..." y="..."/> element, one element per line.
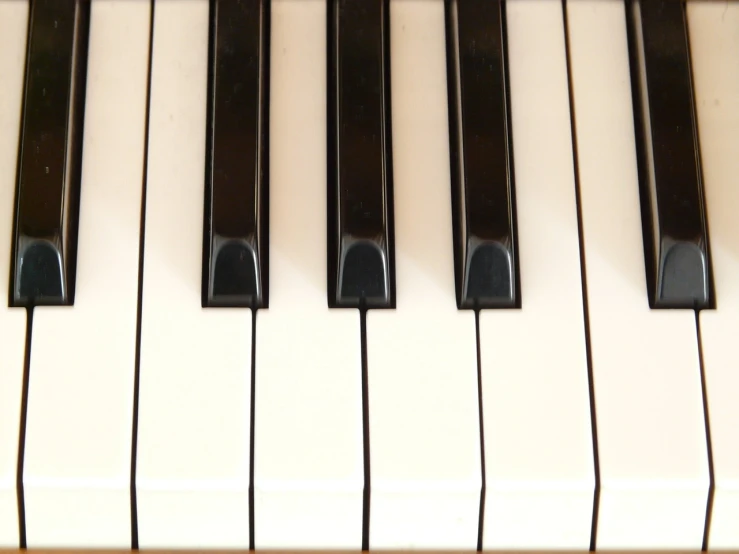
<point x="308" y="551"/>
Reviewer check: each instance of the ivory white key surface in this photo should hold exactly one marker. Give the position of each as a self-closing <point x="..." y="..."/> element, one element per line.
<point x="422" y="356"/>
<point x="646" y="370"/>
<point x="77" y="467"/>
<point x="714" y="40"/>
<point x="535" y="397"/>
<point x="192" y="466"/>
<point x="308" y="454"/>
<point x="13" y="27"/>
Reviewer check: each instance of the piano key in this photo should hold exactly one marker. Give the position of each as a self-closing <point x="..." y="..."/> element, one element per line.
<point x="424" y="425"/>
<point x="308" y="441"/>
<point x="236" y="223"/>
<point x="51" y="151"/>
<point x="714" y="41"/>
<point x="673" y="217"/>
<point x="77" y="467"/>
<point x="482" y="178"/>
<point x="13" y="27"/>
<point x="653" y="458"/>
<point x="360" y="165"/>
<point x="192" y="457"/>
<point x="539" y="462"/>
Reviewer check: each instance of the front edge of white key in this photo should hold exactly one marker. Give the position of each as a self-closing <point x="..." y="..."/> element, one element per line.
<point x="192" y="466"/>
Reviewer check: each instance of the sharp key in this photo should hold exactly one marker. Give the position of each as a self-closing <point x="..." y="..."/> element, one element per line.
<point x="236" y="222"/>
<point x="51" y="152"/>
<point x="482" y="168"/>
<point x="360" y="167"/>
<point x="672" y="197"/>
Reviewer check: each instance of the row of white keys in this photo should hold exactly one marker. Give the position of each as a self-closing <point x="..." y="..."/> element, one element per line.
<point x="308" y="457"/>
<point x="538" y="444"/>
<point x="425" y="465"/>
<point x="76" y="473"/>
<point x="192" y="470"/>
<point x="13" y="26"/>
<point x="192" y="459"/>
<point x="646" y="371"/>
<point x="714" y="42"/>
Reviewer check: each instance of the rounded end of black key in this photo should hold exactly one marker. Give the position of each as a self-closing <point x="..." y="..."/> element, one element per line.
<point x="683" y="277"/>
<point x="234" y="276"/>
<point x="39" y="274"/>
<point x="363" y="275"/>
<point x="488" y="276"/>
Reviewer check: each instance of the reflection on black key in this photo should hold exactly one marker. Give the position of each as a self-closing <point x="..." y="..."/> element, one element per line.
<point x="235" y="253"/>
<point x="482" y="166"/>
<point x="673" y="216"/>
<point x="45" y="232"/>
<point x="360" y="166"/>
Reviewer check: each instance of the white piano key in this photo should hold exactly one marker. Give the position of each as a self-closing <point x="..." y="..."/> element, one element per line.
<point x="77" y="467"/>
<point x="13" y="27"/>
<point x="192" y="466"/>
<point x="646" y="371"/>
<point x="714" y="42"/>
<point x="308" y="453"/>
<point x="539" y="462"/>
<point x="426" y="475"/>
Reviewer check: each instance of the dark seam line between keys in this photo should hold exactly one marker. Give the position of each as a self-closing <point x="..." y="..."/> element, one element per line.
<point x="264" y="76"/>
<point x="22" y="431"/>
<point x="583" y="278"/>
<point x="709" y="444"/>
<point x="139" y="303"/>
<point x="483" y="488"/>
<point x="252" y="426"/>
<point x="366" y="493"/>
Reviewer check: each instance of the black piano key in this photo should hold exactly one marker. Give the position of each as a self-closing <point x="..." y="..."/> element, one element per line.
<point x="673" y="213"/>
<point x="481" y="155"/>
<point x="360" y="166"/>
<point x="47" y="210"/>
<point x="236" y="219"/>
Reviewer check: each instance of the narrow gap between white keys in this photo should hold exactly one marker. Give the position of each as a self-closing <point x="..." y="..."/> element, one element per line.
<point x="142" y="233"/>
<point x="584" y="280"/>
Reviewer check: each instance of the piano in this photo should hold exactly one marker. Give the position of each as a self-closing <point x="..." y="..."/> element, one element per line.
<point x="369" y="275"/>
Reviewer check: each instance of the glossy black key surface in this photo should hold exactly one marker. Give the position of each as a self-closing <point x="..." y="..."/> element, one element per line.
<point x="236" y="218"/>
<point x="360" y="166"/>
<point x="47" y="210"/>
<point x="481" y="155"/>
<point x="673" y="213"/>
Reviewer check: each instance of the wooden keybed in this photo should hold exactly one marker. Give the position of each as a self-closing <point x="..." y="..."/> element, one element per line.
<point x="177" y="551"/>
<point x="207" y="551"/>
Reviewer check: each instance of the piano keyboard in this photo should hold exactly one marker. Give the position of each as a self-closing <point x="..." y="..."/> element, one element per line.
<point x="369" y="274"/>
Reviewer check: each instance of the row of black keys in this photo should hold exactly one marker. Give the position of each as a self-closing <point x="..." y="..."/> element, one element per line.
<point x="360" y="183"/>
